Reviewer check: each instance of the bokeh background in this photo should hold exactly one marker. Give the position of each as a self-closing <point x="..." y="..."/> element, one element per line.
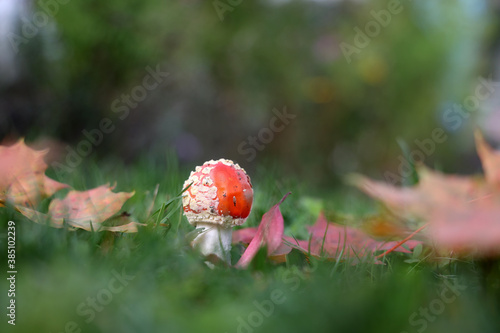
<point x="231" y="63"/>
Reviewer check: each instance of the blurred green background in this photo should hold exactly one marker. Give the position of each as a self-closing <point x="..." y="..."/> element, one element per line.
<point x="230" y="64"/>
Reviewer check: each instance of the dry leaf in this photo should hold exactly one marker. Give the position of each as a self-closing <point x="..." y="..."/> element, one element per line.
<point x="463" y="213"/>
<point x="384" y="226"/>
<point x="268" y="234"/>
<point x="86" y="210"/>
<point x="490" y="160"/>
<point x="22" y="175"/>
<point x="433" y="191"/>
<point x="328" y="240"/>
<point x="333" y="240"/>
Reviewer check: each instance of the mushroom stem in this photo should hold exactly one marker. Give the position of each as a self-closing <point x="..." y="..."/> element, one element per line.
<point x="213" y="240"/>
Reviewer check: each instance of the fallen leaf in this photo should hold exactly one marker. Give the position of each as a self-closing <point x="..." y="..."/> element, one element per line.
<point x="489" y="158"/>
<point x="384" y="226"/>
<point x="432" y="192"/>
<point x="86" y="210"/>
<point x="328" y="240"/>
<point x="269" y="233"/>
<point x="39" y="217"/>
<point x="335" y="241"/>
<point x="244" y="235"/>
<point x="463" y="213"/>
<point x="22" y="175"/>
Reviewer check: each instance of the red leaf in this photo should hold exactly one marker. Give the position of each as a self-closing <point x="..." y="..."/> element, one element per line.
<point x="269" y="233"/>
<point x="244" y="235"/>
<point x="328" y="240"/>
<point x="247" y="234"/>
<point x="332" y="240"/>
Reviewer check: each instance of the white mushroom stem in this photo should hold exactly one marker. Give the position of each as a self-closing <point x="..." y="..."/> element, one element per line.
<point x="213" y="239"/>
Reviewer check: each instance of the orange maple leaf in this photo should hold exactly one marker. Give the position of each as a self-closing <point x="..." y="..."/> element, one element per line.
<point x="22" y="175"/>
<point x="463" y="213"/>
<point x="86" y="210"/>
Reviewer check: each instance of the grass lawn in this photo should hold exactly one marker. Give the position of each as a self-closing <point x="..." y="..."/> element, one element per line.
<point x="151" y="281"/>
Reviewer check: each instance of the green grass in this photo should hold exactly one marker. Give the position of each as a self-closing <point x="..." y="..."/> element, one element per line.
<point x="171" y="290"/>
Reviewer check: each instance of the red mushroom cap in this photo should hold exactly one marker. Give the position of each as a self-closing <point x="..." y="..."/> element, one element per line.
<point x="221" y="193"/>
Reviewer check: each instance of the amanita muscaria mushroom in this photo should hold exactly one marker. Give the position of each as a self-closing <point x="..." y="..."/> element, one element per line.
<point x="219" y="198"/>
